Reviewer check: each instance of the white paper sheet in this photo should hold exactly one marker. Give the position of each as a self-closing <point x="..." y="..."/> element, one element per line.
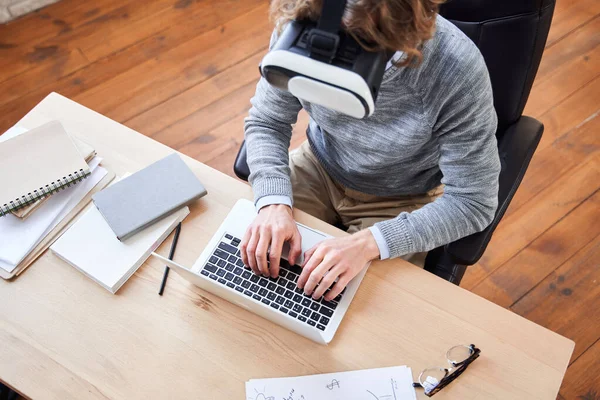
<point x="12" y="132"/>
<point x="19" y="236"/>
<point x="392" y="383"/>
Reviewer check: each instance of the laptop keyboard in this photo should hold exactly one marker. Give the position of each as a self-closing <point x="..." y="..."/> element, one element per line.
<point x="226" y="267"/>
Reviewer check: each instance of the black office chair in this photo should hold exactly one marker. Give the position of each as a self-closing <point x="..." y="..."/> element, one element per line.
<point x="511" y="35"/>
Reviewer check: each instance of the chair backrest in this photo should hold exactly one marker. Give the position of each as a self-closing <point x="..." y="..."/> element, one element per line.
<point x="511" y="35"/>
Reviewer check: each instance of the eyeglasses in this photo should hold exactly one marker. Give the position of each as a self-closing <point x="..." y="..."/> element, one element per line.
<point x="435" y="379"/>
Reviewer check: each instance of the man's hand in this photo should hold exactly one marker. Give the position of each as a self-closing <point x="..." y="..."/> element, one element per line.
<point x="339" y="258"/>
<point x="273" y="226"/>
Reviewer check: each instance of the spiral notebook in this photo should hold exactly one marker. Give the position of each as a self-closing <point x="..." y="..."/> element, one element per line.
<point x="38" y="163"/>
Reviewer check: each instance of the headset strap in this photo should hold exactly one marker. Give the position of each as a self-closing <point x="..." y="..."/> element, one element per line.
<point x="331" y="16"/>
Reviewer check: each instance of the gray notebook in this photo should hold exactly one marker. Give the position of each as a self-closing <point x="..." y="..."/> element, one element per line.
<point x="145" y="197"/>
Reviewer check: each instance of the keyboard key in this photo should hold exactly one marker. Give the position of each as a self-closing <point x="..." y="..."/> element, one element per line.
<point x="330" y="304"/>
<point x="339" y="297"/>
<point x="263" y="282"/>
<point x="282" y="282"/>
<point x="283" y="310"/>
<point x="271" y="286"/>
<point x="228" y="248"/>
<point x="221" y="263"/>
<point x="256" y="297"/>
<point x="236" y="242"/>
<point x="324" y="320"/>
<point x="205" y="273"/>
<point x="306" y="312"/>
<point x="228" y="236"/>
<point x="290" y="285"/>
<point x="314" y="306"/>
<point x="271" y="296"/>
<point x="229" y="276"/>
<point x="292" y="277"/>
<point x="321" y="327"/>
<point x="213" y="276"/>
<point x="246" y="284"/>
<point x="210" y="268"/>
<point x="254" y="278"/>
<point x="223" y="281"/>
<point x="297" y="298"/>
<point x="220" y="253"/>
<point x="302" y="318"/>
<point x="297" y="308"/>
<point x="246" y="275"/>
<point x="306" y="302"/>
<point x="326" y="311"/>
<point x="311" y="322"/>
<point x="231" y="285"/>
<point x="315" y="316"/>
<point x="238" y="254"/>
<point x="238" y="271"/>
<point x="254" y="288"/>
<point x="248" y="293"/>
<point x="298" y="290"/>
<point x="289" y="304"/>
<point x="232" y="259"/>
<point x="288" y="294"/>
<point x="263" y="292"/>
<point x="239" y="289"/>
<point x="292" y="314"/>
<point x="239" y="263"/>
<point x="221" y="272"/>
<point x="275" y="305"/>
<point x="280" y="290"/>
<point x="213" y="260"/>
<point x="237" y="280"/>
<point x="265" y="301"/>
<point x="280" y="300"/>
<point x="230" y="267"/>
<point x="282" y="273"/>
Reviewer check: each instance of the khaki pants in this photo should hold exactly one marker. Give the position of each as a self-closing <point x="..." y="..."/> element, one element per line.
<point x="320" y="196"/>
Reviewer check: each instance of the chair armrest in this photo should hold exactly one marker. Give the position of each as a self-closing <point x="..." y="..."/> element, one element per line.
<point x="240" y="166"/>
<point x="516" y="146"/>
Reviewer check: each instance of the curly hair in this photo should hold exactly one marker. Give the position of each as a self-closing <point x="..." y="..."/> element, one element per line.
<point x="378" y="25"/>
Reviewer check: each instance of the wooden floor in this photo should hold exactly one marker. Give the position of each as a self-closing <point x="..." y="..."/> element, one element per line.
<point x="183" y="71"/>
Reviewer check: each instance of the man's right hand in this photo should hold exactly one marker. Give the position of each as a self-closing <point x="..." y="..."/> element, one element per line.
<point x="273" y="226"/>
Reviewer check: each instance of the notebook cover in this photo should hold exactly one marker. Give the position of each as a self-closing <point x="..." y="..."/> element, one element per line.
<point x="145" y="197"/>
<point x="36" y="162"/>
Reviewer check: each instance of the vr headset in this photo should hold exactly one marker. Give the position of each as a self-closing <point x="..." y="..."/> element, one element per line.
<point x="321" y="64"/>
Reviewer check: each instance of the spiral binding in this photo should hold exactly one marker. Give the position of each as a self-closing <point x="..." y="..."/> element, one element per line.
<point x="53" y="187"/>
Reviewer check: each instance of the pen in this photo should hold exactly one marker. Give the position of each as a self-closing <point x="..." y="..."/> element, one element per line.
<point x="171" y="254"/>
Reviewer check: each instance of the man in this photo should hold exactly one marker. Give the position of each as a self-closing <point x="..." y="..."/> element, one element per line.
<point x="419" y="173"/>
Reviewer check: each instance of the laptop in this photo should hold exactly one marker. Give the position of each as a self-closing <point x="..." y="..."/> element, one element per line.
<point x="220" y="270"/>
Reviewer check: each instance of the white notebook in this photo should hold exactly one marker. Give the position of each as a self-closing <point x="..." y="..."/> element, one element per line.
<point x="91" y="247"/>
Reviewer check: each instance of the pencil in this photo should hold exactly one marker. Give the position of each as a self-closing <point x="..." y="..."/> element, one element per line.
<point x="171" y="254"/>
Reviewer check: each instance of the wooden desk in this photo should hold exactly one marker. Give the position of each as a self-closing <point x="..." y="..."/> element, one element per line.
<point x="64" y="337"/>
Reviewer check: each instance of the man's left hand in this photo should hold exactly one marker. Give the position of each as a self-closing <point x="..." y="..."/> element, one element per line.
<point x="338" y="258"/>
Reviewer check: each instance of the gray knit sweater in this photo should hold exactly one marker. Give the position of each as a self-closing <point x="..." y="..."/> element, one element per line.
<point x="432" y="124"/>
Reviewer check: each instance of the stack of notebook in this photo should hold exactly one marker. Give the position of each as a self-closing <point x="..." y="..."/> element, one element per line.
<point x="48" y="176"/>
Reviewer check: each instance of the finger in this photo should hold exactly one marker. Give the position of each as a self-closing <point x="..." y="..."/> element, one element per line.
<point x="317" y="274"/>
<point x="311" y="260"/>
<point x="295" y="248"/>
<point x="327" y="280"/>
<point x="275" y="255"/>
<point x="261" y="252"/>
<point x="251" y="251"/>
<point x="337" y="288"/>
<point x="244" y="245"/>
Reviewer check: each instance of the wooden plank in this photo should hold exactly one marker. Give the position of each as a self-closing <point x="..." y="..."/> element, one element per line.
<point x="571" y="149"/>
<point x="517" y="230"/>
<point x="568" y="16"/>
<point x="568" y="66"/>
<point x="208" y="118"/>
<point x="513" y="279"/>
<point x="568" y="300"/>
<point x="180" y="68"/>
<point x="91" y="31"/>
<point x="582" y="381"/>
<point x="187" y="102"/>
<point x="103" y="70"/>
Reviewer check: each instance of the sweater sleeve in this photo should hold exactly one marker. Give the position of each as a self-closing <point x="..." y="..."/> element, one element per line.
<point x="465" y="128"/>
<point x="268" y="131"/>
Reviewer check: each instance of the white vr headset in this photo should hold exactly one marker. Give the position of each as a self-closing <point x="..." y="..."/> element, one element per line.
<point x="322" y="65"/>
